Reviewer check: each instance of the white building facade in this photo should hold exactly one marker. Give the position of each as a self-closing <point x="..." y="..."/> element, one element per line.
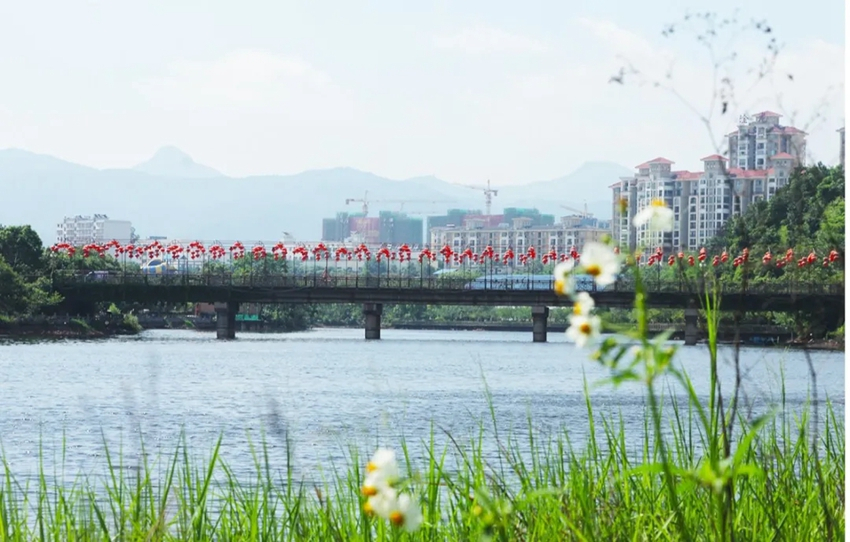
<point x="759" y="137"/>
<point x="571" y="232"/>
<point x="81" y="230"/>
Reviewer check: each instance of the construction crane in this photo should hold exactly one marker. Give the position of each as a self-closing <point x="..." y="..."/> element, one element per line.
<point x="583" y="214"/>
<point x="488" y="193"/>
<point x="366" y="201"/>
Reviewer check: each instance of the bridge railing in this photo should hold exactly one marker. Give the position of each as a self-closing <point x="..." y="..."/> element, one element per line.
<point x="322" y="280"/>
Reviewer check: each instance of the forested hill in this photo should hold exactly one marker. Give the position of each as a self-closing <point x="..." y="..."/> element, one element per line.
<point x="806" y="215"/>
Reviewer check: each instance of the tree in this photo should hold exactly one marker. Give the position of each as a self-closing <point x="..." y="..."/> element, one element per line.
<point x="21" y="248"/>
<point x="13" y="290"/>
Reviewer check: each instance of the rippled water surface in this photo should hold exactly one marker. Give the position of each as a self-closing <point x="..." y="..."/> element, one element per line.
<point x="328" y="389"/>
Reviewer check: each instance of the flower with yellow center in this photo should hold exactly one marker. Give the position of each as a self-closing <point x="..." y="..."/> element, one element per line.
<point x="657" y="215"/>
<point x="600" y="262"/>
<point x="381" y="504"/>
<point x="564" y="281"/>
<point x="583" y="329"/>
<point x="583" y="304"/>
<point x="381" y="473"/>
<point x="405" y="513"/>
<point x="383" y="466"/>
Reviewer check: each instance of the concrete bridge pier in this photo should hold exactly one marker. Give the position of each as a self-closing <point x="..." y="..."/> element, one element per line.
<point x="539" y="318"/>
<point x="372" y="313"/>
<point x="691" y="327"/>
<point x="225" y="316"/>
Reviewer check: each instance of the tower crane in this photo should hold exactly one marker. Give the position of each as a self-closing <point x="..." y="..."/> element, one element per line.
<point x="488" y="193"/>
<point x="583" y="214"/>
<point x="366" y="201"/>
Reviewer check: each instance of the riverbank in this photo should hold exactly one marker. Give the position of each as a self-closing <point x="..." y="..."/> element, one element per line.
<point x="69" y="328"/>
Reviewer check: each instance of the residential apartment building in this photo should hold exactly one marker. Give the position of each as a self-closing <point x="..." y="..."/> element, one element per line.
<point x="701" y="201"/>
<point x="760" y="137"/>
<point x="841" y="149"/>
<point x="81" y="230"/>
<point x="519" y="235"/>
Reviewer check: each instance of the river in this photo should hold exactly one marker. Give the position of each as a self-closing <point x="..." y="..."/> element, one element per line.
<point x="328" y="389"/>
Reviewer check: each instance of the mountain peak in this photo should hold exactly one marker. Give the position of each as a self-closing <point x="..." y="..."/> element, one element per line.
<point x="169" y="161"/>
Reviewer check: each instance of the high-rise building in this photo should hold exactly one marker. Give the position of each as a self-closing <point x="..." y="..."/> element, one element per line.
<point x="81" y="230"/>
<point x="701" y="201"/>
<point x="760" y="137"/>
<point x="841" y="149"/>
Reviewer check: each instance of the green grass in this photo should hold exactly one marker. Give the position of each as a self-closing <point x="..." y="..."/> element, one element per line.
<point x="537" y="490"/>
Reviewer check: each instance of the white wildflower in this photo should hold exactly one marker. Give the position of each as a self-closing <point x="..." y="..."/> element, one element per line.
<point x="600" y="262"/>
<point x="583" y="329"/>
<point x="564" y="281"/>
<point x="657" y="215"/>
<point x="381" y="473"/>
<point x="406" y="513"/>
<point x="381" y="504"/>
<point x="383" y="465"/>
<point x="583" y="304"/>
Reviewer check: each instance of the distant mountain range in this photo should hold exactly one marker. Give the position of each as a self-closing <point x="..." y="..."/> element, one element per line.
<point x="172" y="195"/>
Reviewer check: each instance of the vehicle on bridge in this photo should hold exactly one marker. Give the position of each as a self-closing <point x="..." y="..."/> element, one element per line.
<point x="584" y="283"/>
<point x="158" y="267"/>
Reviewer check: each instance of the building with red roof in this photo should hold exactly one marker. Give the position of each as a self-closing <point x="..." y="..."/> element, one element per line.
<point x="702" y="201"/>
<point x="760" y="137"/>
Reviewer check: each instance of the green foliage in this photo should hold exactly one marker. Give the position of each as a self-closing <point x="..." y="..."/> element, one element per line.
<point x="806" y="214"/>
<point x="131" y="323"/>
<point x="14" y="293"/>
<point x="21" y="248"/>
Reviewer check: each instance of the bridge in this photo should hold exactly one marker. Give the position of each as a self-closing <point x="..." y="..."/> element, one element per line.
<point x="228" y="290"/>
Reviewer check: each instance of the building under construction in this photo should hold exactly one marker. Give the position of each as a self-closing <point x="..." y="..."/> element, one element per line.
<point x="387" y="228"/>
<point x="461" y="218"/>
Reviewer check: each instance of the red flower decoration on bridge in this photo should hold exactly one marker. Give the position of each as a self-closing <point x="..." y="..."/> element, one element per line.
<point x="175" y="251"/>
<point x="279" y="251"/>
<point x="196" y="250"/>
<point x="404" y="253"/>
<point x="155" y="250"/>
<point x="259" y="252"/>
<point x="342" y="253"/>
<point x="237" y="250"/>
<point x="362" y="251"/>
<point x="217" y="251"/>
<point x="320" y="252"/>
<point x="301" y="251"/>
<point x="67" y="248"/>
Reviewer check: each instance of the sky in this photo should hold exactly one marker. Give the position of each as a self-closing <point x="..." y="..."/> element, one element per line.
<point x="466" y="91"/>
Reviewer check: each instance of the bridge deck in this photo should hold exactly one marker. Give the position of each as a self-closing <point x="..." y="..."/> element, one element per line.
<point x="417" y="290"/>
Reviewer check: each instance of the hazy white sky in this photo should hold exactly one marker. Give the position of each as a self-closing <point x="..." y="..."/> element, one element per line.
<point x="462" y="90"/>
